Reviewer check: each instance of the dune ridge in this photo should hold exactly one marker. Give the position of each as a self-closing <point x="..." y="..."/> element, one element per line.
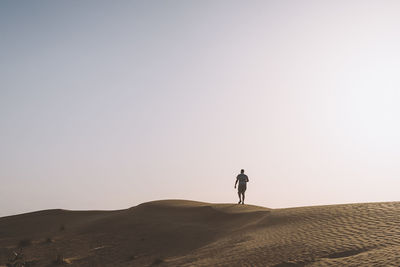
<point x="191" y="233"/>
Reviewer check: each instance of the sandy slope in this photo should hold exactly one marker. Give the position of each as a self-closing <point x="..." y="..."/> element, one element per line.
<point x="188" y="233"/>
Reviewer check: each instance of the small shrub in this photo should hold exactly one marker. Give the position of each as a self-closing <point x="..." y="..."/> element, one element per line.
<point x="17" y="259"/>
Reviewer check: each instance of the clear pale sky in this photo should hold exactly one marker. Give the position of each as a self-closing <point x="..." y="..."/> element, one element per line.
<point x="108" y="104"/>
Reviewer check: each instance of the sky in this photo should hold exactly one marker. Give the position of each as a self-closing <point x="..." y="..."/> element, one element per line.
<point x="109" y="104"/>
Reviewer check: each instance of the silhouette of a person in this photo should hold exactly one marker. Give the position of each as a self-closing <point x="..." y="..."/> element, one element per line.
<point x="243" y="180"/>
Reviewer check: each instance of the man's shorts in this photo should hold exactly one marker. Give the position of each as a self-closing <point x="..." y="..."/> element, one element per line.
<point x="242" y="188"/>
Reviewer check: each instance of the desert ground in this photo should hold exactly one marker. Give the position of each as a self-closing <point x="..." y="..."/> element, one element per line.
<point x="189" y="233"/>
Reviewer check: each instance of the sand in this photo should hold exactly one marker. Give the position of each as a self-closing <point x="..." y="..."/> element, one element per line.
<point x="189" y="233"/>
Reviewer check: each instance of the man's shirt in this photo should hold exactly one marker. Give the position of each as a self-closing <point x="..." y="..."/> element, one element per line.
<point x="242" y="178"/>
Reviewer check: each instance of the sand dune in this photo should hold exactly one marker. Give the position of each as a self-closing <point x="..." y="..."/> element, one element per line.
<point x="188" y="233"/>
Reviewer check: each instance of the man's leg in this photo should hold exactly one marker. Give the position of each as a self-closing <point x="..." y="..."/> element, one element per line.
<point x="240" y="199"/>
<point x="243" y="198"/>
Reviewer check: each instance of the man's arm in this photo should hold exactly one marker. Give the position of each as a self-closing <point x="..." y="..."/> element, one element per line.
<point x="236" y="182"/>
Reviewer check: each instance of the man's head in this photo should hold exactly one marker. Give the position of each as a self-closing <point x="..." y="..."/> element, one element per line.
<point x="241" y="171"/>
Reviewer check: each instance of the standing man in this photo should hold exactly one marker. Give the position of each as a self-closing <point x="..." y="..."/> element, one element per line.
<point x="243" y="180"/>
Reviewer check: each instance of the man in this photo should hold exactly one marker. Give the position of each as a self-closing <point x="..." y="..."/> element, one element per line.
<point x="243" y="180"/>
